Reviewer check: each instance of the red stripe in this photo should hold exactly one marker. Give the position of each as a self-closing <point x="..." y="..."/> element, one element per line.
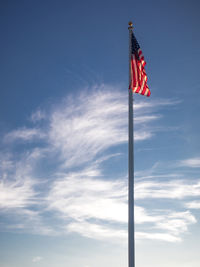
<point x="138" y="75"/>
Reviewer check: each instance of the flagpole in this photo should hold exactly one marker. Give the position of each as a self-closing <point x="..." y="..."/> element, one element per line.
<point x="131" y="230"/>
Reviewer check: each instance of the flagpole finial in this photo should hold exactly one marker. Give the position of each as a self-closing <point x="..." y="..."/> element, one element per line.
<point x="130" y="25"/>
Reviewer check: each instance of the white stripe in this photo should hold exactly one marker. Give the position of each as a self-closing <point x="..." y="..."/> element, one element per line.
<point x="143" y="84"/>
<point x="146" y="92"/>
<point x="135" y="71"/>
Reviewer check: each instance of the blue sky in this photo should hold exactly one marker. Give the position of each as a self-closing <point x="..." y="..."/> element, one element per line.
<point x="63" y="128"/>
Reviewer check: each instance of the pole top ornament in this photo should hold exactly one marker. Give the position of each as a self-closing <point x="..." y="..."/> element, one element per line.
<point x="130" y="25"/>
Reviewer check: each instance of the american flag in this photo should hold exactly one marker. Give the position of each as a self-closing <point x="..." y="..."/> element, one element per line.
<point x="138" y="81"/>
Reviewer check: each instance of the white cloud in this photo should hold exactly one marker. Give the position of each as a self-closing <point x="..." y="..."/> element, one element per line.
<point x="193" y="204"/>
<point x="146" y="118"/>
<point x="155" y="104"/>
<point x="16" y="184"/>
<point x="37" y="259"/>
<point x="16" y="194"/>
<point x="24" y="134"/>
<point x="158" y="236"/>
<point x="176" y="222"/>
<point x="98" y="231"/>
<point x="38" y="115"/>
<point x="6" y="164"/>
<point x="80" y="198"/>
<point x="77" y="133"/>
<point x="166" y="190"/>
<point x="19" y="199"/>
<point x="142" y="135"/>
<point x="80" y="129"/>
<point x="90" y="124"/>
<point x="191" y="162"/>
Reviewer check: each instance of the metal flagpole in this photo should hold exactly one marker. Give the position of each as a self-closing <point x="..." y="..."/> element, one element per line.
<point x="131" y="230"/>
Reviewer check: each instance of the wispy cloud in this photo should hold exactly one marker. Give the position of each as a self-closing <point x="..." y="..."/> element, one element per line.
<point x="84" y="127"/>
<point x="24" y="134"/>
<point x="37" y="259"/>
<point x="97" y="231"/>
<point x="193" y="204"/>
<point x="75" y="198"/>
<point x="170" y="190"/>
<point x="158" y="236"/>
<point x="20" y="200"/>
<point x="144" y="105"/>
<point x="38" y="115"/>
<point x="191" y="162"/>
<point x="16" y="194"/>
<point x="16" y="185"/>
<point x="76" y="139"/>
<point x="176" y="222"/>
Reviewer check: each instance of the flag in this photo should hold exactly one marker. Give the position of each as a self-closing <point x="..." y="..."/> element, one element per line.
<point x="138" y="79"/>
